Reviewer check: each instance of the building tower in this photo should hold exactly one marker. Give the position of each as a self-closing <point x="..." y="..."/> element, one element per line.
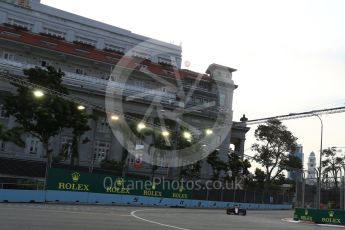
<point x="311" y="179"/>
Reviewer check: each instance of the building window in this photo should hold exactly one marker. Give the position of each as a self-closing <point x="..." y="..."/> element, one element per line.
<point x="54" y="33"/>
<point x="166" y="61"/>
<point x="3" y="112"/>
<point x="44" y="63"/>
<point x="66" y="146"/>
<point x="114" y="48"/>
<point x="23" y="3"/>
<point x="19" y="24"/>
<point x="8" y="56"/>
<point x="33" y="145"/>
<point x="102" y="125"/>
<point x="197" y="100"/>
<point x="101" y="150"/>
<point x="80" y="71"/>
<point x="85" y="41"/>
<point x="142" y="55"/>
<point x="139" y="84"/>
<point x="2" y="146"/>
<point x="221" y="99"/>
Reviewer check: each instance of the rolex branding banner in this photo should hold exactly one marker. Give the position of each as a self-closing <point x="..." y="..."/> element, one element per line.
<point x="320" y="216"/>
<point x="68" y="180"/>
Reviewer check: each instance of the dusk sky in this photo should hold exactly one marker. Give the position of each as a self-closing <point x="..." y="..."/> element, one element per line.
<point x="290" y="55"/>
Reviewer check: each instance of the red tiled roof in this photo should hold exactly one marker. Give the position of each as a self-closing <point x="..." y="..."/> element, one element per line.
<point x="112" y="58"/>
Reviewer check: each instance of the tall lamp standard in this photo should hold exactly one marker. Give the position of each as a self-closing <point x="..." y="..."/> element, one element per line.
<point x="320" y="167"/>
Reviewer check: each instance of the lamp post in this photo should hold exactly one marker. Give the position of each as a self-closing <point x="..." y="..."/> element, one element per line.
<point x="320" y="167"/>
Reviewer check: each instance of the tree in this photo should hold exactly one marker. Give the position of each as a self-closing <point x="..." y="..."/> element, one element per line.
<point x="273" y="151"/>
<point x="237" y="165"/>
<point x="12" y="135"/>
<point x="216" y="164"/>
<point x="259" y="178"/>
<point x="191" y="171"/>
<point x="78" y="121"/>
<point x="42" y="117"/>
<point x="332" y="164"/>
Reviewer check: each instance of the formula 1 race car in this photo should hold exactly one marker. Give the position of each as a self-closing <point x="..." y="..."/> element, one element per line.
<point x="236" y="210"/>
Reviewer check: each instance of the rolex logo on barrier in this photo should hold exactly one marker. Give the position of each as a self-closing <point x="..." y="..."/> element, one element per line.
<point x="180" y="194"/>
<point x="120" y="182"/>
<point x="181" y="188"/>
<point x="115" y="186"/>
<point x="152" y="191"/>
<point x="75" y="177"/>
<point x="74" y="186"/>
<point x="331" y="214"/>
<point x="331" y="218"/>
<point x="306" y="216"/>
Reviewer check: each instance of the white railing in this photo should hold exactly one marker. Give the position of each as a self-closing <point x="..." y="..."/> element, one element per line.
<point x="92" y="83"/>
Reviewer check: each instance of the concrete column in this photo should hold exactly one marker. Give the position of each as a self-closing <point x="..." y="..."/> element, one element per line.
<point x="100" y="44"/>
<point x="70" y="36"/>
<point x="37" y="28"/>
<point x="3" y="17"/>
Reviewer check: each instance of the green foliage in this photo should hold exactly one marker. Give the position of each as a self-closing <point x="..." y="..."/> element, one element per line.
<point x="276" y="142"/>
<point x="44" y="117"/>
<point x="237" y="165"/>
<point x="12" y="135"/>
<point x="112" y="165"/>
<point x="216" y="164"/>
<point x="78" y="121"/>
<point x="191" y="171"/>
<point x="332" y="164"/>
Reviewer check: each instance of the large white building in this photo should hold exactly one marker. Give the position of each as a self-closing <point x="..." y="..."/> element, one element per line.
<point x="87" y="51"/>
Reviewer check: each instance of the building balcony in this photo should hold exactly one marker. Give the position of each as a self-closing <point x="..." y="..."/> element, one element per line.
<point x="93" y="83"/>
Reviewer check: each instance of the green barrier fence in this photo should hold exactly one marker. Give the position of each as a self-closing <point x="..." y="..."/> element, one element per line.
<point x="320" y="216"/>
<point x="67" y="180"/>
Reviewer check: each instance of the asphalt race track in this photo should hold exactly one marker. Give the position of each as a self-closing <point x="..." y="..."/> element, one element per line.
<point x="100" y="217"/>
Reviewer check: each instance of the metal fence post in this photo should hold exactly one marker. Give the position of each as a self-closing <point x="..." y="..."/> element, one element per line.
<point x="342" y="180"/>
<point x="303" y="192"/>
<point x="340" y="191"/>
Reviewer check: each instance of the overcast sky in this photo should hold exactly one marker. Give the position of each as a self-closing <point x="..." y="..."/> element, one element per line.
<point x="290" y="55"/>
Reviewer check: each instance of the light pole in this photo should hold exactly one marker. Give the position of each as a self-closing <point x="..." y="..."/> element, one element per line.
<point x="320" y="167"/>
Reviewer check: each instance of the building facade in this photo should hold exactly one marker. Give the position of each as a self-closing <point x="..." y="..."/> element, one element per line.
<point x="293" y="175"/>
<point x="93" y="56"/>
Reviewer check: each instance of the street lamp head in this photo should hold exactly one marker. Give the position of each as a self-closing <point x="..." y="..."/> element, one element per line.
<point x="187" y="135"/>
<point x="209" y="132"/>
<point x="38" y="93"/>
<point x="81" y="107"/>
<point x="141" y="126"/>
<point x="114" y="118"/>
<point x="165" y="133"/>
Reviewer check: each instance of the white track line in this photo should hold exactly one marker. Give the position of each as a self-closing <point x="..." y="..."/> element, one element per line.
<point x="154" y="222"/>
<point x="331" y="225"/>
<point x="290" y="220"/>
